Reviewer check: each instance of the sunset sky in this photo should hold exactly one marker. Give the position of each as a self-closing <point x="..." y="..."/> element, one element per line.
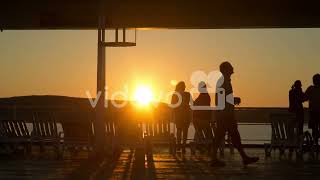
<point x="266" y="61"/>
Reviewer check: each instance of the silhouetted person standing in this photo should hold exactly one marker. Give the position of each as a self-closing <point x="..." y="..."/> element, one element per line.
<point x="296" y="99"/>
<point x="182" y="113"/>
<point x="202" y="118"/>
<point x="313" y="95"/>
<point x="226" y="121"/>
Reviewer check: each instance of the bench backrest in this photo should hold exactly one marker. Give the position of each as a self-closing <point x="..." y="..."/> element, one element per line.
<point x="280" y="124"/>
<point x="160" y="125"/>
<point x="110" y="127"/>
<point x="11" y="125"/>
<point x="44" y="124"/>
<point x="14" y="128"/>
<point x="76" y="124"/>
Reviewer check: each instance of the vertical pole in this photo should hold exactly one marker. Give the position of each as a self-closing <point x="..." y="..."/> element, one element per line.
<point x="135" y="35"/>
<point x="99" y="123"/>
<point x="116" y="35"/>
<point x="124" y="34"/>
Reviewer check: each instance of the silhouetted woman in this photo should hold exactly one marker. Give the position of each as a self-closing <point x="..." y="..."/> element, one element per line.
<point x="296" y="98"/>
<point x="182" y="113"/>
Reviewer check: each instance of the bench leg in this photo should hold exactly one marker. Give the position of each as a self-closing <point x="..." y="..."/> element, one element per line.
<point x="28" y="149"/>
<point x="148" y="145"/>
<point x="173" y="144"/>
<point x="222" y="147"/>
<point x="267" y="150"/>
<point x="58" y="150"/>
<point x="192" y="148"/>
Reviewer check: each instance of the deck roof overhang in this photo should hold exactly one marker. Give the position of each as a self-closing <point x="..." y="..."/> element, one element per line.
<point x="181" y="14"/>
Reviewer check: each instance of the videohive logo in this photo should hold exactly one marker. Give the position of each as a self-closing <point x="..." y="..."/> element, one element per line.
<point x="210" y="83"/>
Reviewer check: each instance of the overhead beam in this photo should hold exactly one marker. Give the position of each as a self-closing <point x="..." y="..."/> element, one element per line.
<point x="186" y="14"/>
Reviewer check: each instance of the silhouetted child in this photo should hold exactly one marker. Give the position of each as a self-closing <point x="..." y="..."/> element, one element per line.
<point x="313" y="95"/>
<point x="202" y="118"/>
<point x="182" y="113"/>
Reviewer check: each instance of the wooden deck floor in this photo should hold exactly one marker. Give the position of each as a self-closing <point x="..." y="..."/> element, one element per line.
<point x="162" y="165"/>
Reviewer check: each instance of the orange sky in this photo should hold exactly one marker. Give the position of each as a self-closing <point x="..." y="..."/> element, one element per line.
<point x="266" y="61"/>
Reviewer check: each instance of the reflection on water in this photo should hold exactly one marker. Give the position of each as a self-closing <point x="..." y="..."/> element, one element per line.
<point x="250" y="134"/>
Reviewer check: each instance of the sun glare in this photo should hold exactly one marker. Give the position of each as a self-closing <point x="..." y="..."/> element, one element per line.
<point x="143" y="95"/>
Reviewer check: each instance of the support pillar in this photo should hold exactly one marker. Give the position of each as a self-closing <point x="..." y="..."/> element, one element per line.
<point x="99" y="123"/>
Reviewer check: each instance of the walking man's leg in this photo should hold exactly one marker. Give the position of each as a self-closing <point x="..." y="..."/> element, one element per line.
<point x="233" y="131"/>
<point x="219" y="136"/>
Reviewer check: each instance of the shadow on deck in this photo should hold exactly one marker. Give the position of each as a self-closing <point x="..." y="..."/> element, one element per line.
<point x="160" y="165"/>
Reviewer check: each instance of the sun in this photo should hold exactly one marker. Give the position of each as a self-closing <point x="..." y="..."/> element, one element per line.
<point x="143" y="95"/>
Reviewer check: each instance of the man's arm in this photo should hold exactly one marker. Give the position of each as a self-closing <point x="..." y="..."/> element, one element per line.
<point x="216" y="99"/>
<point x="190" y="98"/>
<point x="209" y="100"/>
<point x="303" y="97"/>
<point x="308" y="93"/>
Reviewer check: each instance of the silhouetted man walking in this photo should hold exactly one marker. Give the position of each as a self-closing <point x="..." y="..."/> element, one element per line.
<point x="226" y="121"/>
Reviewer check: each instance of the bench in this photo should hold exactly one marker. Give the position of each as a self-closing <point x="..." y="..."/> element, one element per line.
<point x="45" y="132"/>
<point x="158" y="130"/>
<point x="123" y="129"/>
<point x="199" y="142"/>
<point x="283" y="134"/>
<point x="15" y="134"/>
<point x="77" y="130"/>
